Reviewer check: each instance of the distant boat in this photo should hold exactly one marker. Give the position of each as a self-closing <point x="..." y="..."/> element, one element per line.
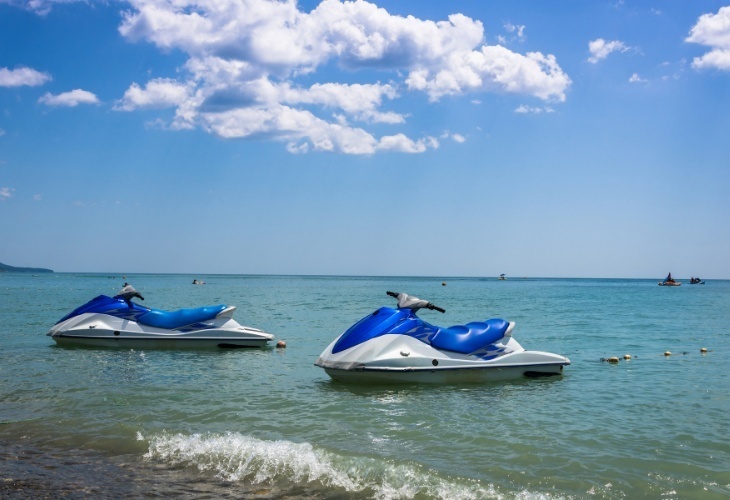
<point x="696" y="281"/>
<point x="501" y="277"/>
<point x="669" y="281"/>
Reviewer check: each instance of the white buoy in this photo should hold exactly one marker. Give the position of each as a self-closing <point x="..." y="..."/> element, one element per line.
<point x="627" y="356"/>
<point x="667" y="353"/>
<point x="703" y="350"/>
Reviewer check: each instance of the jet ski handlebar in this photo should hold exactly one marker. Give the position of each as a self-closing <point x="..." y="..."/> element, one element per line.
<point x="435" y="308"/>
<point x="407" y="301"/>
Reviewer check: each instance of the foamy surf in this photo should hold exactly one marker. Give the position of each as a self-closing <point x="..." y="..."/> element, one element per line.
<point x="236" y="457"/>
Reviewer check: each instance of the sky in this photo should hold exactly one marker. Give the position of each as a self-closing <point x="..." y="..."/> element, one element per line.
<point x="390" y="138"/>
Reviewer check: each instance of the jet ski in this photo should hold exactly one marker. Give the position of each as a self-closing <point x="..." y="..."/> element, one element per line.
<point x="118" y="322"/>
<point x="395" y="345"/>
<point x="669" y="281"/>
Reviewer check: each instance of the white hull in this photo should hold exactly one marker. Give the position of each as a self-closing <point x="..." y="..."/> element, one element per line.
<point x="101" y="330"/>
<point x="403" y="359"/>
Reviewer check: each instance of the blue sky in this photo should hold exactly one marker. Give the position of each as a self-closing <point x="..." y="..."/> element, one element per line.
<point x="542" y="139"/>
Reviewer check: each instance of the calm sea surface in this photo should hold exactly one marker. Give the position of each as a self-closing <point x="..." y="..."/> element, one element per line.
<point x="269" y="424"/>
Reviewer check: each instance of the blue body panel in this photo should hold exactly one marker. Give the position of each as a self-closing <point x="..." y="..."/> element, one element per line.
<point x="473" y="338"/>
<point x="170" y="320"/>
<point x="378" y="323"/>
<point x="107" y="305"/>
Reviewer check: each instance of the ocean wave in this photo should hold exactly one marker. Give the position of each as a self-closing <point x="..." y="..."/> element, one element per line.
<point x="235" y="457"/>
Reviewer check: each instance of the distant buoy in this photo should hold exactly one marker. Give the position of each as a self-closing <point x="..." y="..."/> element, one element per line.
<point x="281" y="344"/>
<point x="443" y="283"/>
<point x="613" y="359"/>
<point x="703" y="350"/>
<point x="627" y="356"/>
<point x="667" y="353"/>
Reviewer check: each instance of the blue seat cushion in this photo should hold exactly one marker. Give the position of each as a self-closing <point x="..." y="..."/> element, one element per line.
<point x="471" y="337"/>
<point x="182" y="317"/>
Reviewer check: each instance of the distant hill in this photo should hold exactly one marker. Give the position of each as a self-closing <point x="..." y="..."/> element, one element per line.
<point x="4" y="268"/>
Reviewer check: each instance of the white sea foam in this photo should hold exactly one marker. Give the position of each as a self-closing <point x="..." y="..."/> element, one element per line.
<point x="236" y="457"/>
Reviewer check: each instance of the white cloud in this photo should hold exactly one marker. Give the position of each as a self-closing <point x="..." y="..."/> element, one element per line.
<point x="22" y="76"/>
<point x="37" y="197"/>
<point x="247" y="59"/>
<point x="358" y="100"/>
<point x="277" y="38"/>
<point x="158" y="93"/>
<point x="41" y="7"/>
<point x="712" y="30"/>
<point x="2" y="132"/>
<point x="69" y="99"/>
<point x="291" y="125"/>
<point x="6" y="193"/>
<point x="518" y="31"/>
<point x="454" y="137"/>
<point x="402" y="144"/>
<point x="493" y="68"/>
<point x="600" y="49"/>
<point x="525" y="109"/>
<point x="297" y="148"/>
<point x="635" y="78"/>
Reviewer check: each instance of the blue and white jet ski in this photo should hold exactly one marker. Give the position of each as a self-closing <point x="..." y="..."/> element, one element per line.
<point x="118" y="322"/>
<point x="395" y="345"/>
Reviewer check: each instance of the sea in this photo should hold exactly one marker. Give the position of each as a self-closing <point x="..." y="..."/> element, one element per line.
<point x="267" y="423"/>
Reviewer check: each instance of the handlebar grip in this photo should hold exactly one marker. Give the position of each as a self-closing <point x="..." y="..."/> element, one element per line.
<point x="436" y="308"/>
<point x="393" y="294"/>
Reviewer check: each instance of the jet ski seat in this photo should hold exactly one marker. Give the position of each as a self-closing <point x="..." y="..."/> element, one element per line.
<point x="466" y="339"/>
<point x="182" y="317"/>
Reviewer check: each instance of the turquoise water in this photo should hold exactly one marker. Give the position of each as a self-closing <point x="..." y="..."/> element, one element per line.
<point x="268" y="423"/>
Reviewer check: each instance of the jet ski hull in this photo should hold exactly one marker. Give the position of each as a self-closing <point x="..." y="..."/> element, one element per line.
<point x="95" y="329"/>
<point x="404" y="359"/>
